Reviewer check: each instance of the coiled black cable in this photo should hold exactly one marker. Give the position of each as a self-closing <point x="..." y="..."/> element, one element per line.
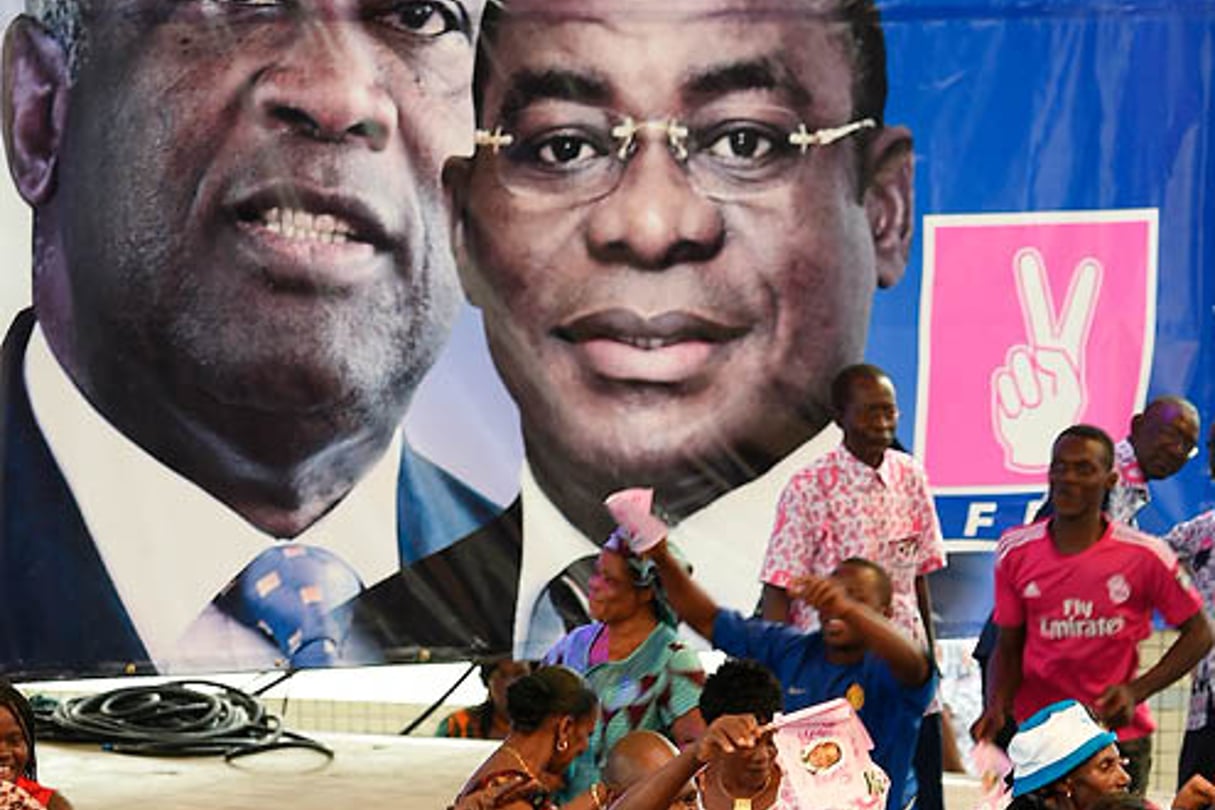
<point x="172" y="719"/>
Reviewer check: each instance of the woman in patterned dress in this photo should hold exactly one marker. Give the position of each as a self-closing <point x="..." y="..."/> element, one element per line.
<point x="632" y="657"/>
<point x="552" y="713"/>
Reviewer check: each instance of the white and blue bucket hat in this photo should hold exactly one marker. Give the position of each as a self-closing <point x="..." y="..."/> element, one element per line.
<point x="1052" y="743"/>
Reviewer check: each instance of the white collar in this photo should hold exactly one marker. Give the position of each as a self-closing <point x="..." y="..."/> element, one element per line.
<point x="168" y="545"/>
<point x="724" y="541"/>
<point x="882" y="471"/>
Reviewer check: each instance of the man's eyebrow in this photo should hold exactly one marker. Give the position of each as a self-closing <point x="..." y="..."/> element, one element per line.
<point x="753" y="74"/>
<point x="528" y="86"/>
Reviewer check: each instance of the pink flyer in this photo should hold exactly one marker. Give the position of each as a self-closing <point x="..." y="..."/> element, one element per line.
<point x="824" y="753"/>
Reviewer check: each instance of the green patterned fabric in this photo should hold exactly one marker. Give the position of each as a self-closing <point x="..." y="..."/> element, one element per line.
<point x="658" y="683"/>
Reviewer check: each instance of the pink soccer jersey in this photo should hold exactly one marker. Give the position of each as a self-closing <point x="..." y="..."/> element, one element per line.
<point x="1085" y="614"/>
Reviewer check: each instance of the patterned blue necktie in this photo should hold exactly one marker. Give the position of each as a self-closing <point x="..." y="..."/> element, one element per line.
<point x="299" y="597"/>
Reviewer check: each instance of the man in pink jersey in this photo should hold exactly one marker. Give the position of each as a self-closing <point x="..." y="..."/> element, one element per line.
<point x="1075" y="595"/>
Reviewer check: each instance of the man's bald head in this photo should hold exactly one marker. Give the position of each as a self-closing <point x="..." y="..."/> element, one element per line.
<point x="634" y="757"/>
<point x="1165" y="435"/>
<point x="1169" y="407"/>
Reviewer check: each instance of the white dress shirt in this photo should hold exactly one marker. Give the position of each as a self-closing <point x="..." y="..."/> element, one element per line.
<point x="723" y="541"/>
<point x="169" y="546"/>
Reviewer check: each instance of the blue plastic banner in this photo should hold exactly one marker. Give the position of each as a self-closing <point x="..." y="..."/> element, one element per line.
<point x="249" y="423"/>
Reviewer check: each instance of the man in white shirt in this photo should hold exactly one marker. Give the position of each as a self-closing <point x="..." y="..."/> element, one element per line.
<point x="674" y="249"/>
<point x="241" y="273"/>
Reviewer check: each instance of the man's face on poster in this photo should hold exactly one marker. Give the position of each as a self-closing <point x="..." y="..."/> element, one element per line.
<point x="694" y="300"/>
<point x="250" y="202"/>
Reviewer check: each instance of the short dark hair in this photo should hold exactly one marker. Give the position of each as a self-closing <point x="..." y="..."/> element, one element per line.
<point x="547" y="692"/>
<point x="1091" y="433"/>
<point x="741" y="686"/>
<point x="885" y="587"/>
<point x="869" y="83"/>
<point x="846" y="378"/>
<point x="488" y="666"/>
<point x="12" y="699"/>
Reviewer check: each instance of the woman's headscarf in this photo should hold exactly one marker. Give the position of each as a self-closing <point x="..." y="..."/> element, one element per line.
<point x="645" y="573"/>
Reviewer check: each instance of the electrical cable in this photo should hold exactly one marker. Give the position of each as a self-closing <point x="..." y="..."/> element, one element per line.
<point x="173" y="719"/>
<point x="280" y="677"/>
<point x="420" y="719"/>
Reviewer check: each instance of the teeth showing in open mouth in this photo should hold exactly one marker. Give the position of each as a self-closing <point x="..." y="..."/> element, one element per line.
<point x="647" y="343"/>
<point x="304" y="226"/>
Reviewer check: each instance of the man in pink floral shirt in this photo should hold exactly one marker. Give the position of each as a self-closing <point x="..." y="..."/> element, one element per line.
<point x="862" y="499"/>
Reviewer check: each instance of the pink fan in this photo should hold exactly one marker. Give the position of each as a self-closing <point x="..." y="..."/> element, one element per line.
<point x="631" y="509"/>
<point x="993" y="766"/>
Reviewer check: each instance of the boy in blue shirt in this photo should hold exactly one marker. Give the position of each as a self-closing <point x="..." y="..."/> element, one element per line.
<point x="857" y="654"/>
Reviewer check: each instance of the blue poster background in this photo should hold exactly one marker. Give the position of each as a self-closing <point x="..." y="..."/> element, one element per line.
<point x="1055" y="106"/>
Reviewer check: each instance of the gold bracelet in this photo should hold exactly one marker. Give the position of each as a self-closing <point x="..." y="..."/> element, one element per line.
<point x="599" y="805"/>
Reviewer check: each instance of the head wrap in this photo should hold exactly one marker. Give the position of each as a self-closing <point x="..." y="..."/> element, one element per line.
<point x="645" y="573"/>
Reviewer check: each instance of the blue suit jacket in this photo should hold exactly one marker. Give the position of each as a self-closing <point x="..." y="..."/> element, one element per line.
<point x="59" y="611"/>
<point x="453" y="604"/>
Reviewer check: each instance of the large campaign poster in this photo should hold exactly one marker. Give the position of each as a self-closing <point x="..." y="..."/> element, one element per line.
<point x="331" y="327"/>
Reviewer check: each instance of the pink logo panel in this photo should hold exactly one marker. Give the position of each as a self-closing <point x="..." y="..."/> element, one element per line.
<point x="1029" y="323"/>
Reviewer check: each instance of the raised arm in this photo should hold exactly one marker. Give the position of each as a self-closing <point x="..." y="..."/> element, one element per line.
<point x="723" y="736"/>
<point x="690" y="601"/>
<point x="657" y="791"/>
<point x="908" y="662"/>
<point x="775" y="603"/>
<point x="1195" y="794"/>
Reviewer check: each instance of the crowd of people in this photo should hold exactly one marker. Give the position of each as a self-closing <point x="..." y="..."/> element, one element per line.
<point x="621" y="715"/>
<point x="847" y="614"/>
<point x="772" y="274"/>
